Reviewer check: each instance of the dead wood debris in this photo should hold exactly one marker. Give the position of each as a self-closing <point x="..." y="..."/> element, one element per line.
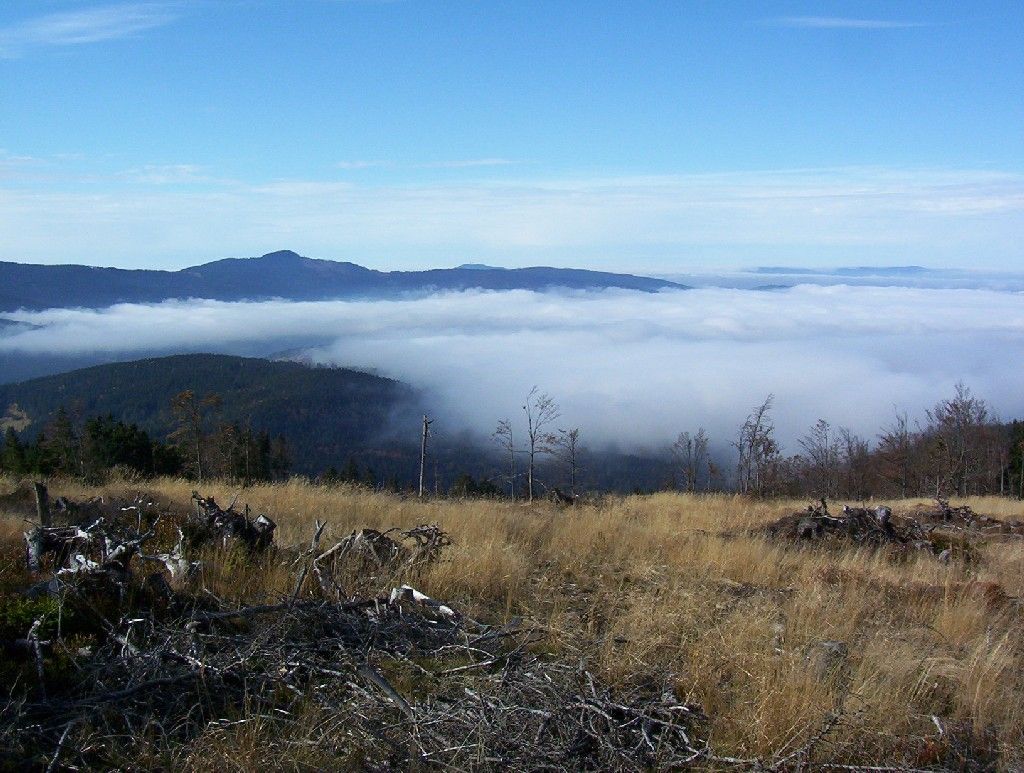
<point x="559" y="497"/>
<point x="407" y="681"/>
<point x="414" y="681"/>
<point x="942" y="515"/>
<point x="370" y="554"/>
<point x="96" y="554"/>
<point x="229" y="526"/>
<point x="935" y="529"/>
<point x="482" y="690"/>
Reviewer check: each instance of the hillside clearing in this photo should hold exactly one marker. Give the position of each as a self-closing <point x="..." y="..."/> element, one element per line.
<point x="796" y="654"/>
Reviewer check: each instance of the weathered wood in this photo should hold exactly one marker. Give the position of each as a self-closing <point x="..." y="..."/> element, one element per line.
<point x="58" y="541"/>
<point x="42" y="503"/>
<point x="409" y="594"/>
<point x="256" y="534"/>
<point x="423" y="450"/>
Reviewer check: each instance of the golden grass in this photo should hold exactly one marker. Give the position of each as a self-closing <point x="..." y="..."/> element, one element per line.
<point x="671" y="583"/>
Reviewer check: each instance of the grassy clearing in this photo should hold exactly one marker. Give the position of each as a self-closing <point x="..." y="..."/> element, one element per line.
<point x="674" y="584"/>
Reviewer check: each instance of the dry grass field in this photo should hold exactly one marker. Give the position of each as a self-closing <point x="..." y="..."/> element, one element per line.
<point x="682" y="587"/>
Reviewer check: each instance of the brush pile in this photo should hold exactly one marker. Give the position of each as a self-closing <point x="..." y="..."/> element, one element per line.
<point x="940" y="529"/>
<point x="859" y="525"/>
<point x="941" y="515"/>
<point x="118" y="651"/>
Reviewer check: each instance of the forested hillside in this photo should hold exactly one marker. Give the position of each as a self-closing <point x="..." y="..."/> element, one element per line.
<point x="325" y="414"/>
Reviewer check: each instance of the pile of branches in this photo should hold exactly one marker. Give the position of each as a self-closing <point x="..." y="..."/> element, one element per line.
<point x="942" y="530"/>
<point x="405" y="679"/>
<point x="366" y="556"/>
<point x="874" y="527"/>
<point x="942" y="515"/>
<point x="92" y="545"/>
<point x="483" y="693"/>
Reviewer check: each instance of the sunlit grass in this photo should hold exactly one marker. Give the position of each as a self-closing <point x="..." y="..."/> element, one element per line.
<point x="682" y="585"/>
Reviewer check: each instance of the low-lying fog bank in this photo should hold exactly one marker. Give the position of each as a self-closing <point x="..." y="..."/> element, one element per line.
<point x="630" y="368"/>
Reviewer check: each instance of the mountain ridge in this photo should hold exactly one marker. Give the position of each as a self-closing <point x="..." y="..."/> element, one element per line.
<point x="282" y="274"/>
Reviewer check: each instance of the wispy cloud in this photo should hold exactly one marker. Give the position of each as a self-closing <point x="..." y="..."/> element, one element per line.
<point x="467" y="163"/>
<point x="90" y="25"/>
<point x="842" y="23"/>
<point x="361" y="164"/>
<point x="459" y="163"/>
<point x="951" y="217"/>
<point x="169" y="174"/>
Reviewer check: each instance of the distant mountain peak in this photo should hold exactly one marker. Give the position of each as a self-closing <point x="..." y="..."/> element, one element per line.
<point x="480" y="267"/>
<point x="281" y="256"/>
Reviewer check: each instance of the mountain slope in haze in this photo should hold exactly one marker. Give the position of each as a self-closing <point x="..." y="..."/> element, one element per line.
<point x="283" y="274"/>
<point x="326" y="414"/>
<point x="329" y="416"/>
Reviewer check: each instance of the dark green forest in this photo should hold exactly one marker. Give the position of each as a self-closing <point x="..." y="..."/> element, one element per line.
<point x="326" y="414"/>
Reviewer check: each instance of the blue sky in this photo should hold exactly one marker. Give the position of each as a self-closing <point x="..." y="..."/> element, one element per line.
<point x="639" y="136"/>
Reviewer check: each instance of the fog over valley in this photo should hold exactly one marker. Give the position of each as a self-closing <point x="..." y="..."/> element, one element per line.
<point x="629" y="368"/>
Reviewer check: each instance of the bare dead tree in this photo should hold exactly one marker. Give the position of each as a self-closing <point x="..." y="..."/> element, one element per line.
<point x="566" y="447"/>
<point x="190" y="415"/>
<point x="42" y="503"/>
<point x="504" y="437"/>
<point x="541" y="411"/>
<point x="856" y="463"/>
<point x="691" y="453"/>
<point x="822" y="448"/>
<point x="895" y="451"/>
<point x="423" y="451"/>
<point x="957" y="425"/>
<point x="758" y="450"/>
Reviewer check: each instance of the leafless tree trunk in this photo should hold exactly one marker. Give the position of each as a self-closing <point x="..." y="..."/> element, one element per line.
<point x="856" y="462"/>
<point x="503" y="436"/>
<point x="895" y="449"/>
<point x="423" y="450"/>
<point x="1021" y="489"/>
<point x="566" y="446"/>
<point x="691" y="452"/>
<point x="42" y="504"/>
<point x="541" y="410"/>
<point x="822" y="450"/>
<point x="958" y="425"/>
<point x="758" y="451"/>
<point x="189" y="412"/>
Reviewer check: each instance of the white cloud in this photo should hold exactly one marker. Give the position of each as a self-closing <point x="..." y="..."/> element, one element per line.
<point x="459" y="163"/>
<point x="90" y="25"/>
<point x="859" y="215"/>
<point x="168" y="174"/>
<point x="360" y="164"/>
<point x="629" y="366"/>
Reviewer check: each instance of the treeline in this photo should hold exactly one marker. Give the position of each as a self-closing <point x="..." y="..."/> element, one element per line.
<point x="90" y="451"/>
<point x="959" y="449"/>
<point x="201" y="446"/>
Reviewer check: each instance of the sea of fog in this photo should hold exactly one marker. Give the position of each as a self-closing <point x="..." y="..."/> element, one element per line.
<point x="627" y="367"/>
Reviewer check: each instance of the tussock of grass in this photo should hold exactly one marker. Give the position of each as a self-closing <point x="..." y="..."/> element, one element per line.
<point x="678" y="584"/>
